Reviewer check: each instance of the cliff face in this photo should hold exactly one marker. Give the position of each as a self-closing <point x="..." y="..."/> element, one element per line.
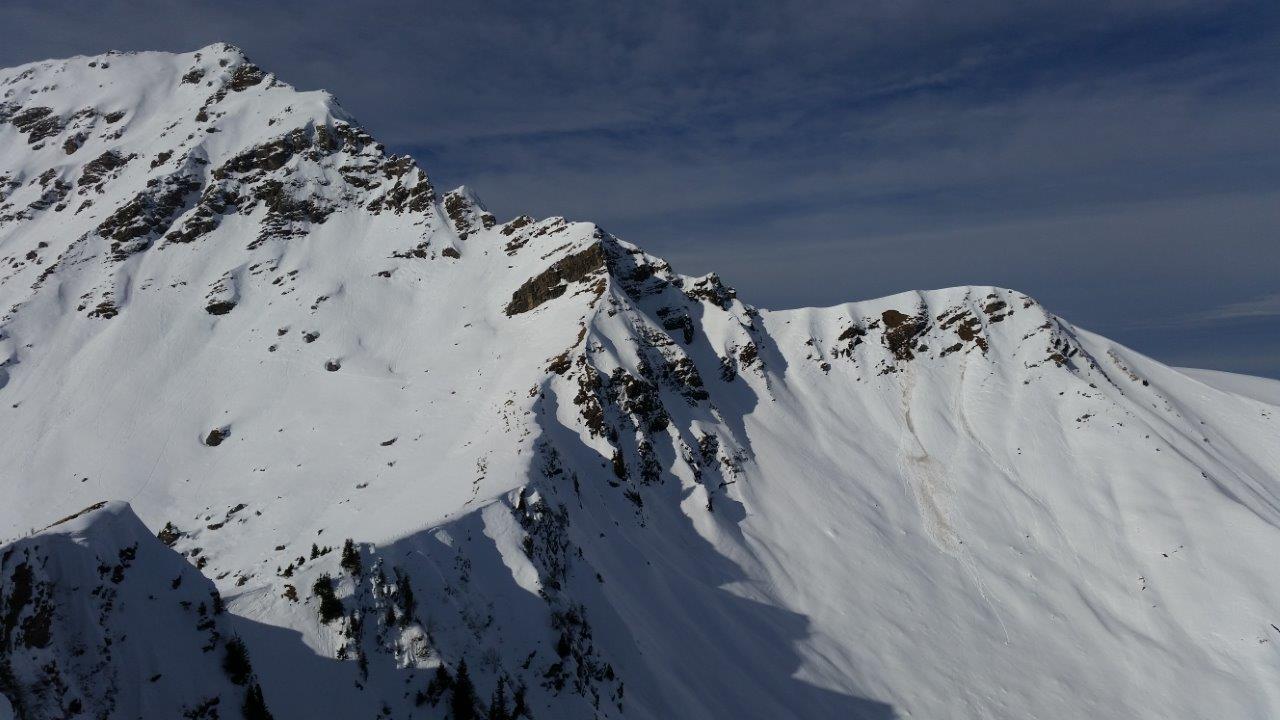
<point x="388" y="434"/>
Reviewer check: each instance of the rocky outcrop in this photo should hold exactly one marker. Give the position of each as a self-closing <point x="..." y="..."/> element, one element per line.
<point x="554" y="281"/>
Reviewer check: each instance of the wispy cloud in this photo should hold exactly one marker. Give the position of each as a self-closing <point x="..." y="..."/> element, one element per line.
<point x="1266" y="306"/>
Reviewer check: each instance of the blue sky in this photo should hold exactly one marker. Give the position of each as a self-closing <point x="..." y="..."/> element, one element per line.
<point x="1118" y="161"/>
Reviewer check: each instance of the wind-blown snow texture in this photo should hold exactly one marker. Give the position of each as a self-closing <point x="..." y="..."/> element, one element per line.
<point x="614" y="490"/>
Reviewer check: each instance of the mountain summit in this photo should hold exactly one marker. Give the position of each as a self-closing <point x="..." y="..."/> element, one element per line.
<point x="353" y="447"/>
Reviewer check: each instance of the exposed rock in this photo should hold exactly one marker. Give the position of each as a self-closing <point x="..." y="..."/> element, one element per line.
<point x="678" y="320"/>
<point x="245" y="77"/>
<point x="268" y="156"/>
<point x="711" y="290"/>
<point x="552" y="282"/>
<point x="54" y="191"/>
<point x="95" y="169"/>
<point x="37" y="123"/>
<point x="206" y="216"/>
<point x="901" y="332"/>
<point x="466" y="213"/>
<point x="106" y="310"/>
<point x="222" y="307"/>
<point x="851" y="337"/>
<point x="73" y="143"/>
<point x="131" y="227"/>
<point x="170" y="534"/>
<point x="516" y="224"/>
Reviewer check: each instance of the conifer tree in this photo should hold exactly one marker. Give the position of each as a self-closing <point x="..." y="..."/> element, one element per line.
<point x="440" y="683"/>
<point x="350" y="558"/>
<point x="236" y="662"/>
<point x="330" y="606"/>
<point x="520" y="706"/>
<point x="498" y="703"/>
<point x="404" y="594"/>
<point x="255" y="707"/>
<point x="462" y="702"/>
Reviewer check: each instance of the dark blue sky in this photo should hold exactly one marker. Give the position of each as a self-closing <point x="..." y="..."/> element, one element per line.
<point x="1118" y="161"/>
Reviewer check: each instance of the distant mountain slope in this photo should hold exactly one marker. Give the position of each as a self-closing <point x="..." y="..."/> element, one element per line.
<point x="396" y="435"/>
<point x="1262" y="389"/>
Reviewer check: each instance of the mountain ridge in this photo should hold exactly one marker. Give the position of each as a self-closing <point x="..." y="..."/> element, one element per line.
<point x="621" y="490"/>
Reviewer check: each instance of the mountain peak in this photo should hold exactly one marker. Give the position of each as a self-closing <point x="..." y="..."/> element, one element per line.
<point x="222" y="49"/>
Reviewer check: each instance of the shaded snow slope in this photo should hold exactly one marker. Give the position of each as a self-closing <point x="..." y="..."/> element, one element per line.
<point x="610" y="489"/>
<point x="102" y="620"/>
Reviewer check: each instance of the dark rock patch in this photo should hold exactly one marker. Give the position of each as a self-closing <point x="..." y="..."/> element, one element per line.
<point x="684" y="375"/>
<point x="460" y="210"/>
<point x="104" y="164"/>
<point x="54" y="191"/>
<point x="207" y="215"/>
<point x="170" y="534"/>
<point x="901" y="331"/>
<point x="268" y="156"/>
<point x="680" y="321"/>
<point x="105" y="310"/>
<point x="74" y="142"/>
<point x="245" y="77"/>
<point x="851" y="337"/>
<point x="516" y="224"/>
<point x="222" y="307"/>
<point x="37" y="123"/>
<point x="638" y="398"/>
<point x="415" y="197"/>
<point x="150" y="211"/>
<point x="553" y="282"/>
<point x="560" y="364"/>
<point x="711" y="290"/>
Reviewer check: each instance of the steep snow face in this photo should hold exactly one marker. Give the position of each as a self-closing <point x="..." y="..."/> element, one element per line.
<point x="610" y="489"/>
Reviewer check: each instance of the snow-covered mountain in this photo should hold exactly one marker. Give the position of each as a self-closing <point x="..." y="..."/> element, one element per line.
<point x="368" y="451"/>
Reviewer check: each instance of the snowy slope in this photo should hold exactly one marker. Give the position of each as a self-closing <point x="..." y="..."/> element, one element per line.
<point x="613" y="490"/>
<point x="1265" y="390"/>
